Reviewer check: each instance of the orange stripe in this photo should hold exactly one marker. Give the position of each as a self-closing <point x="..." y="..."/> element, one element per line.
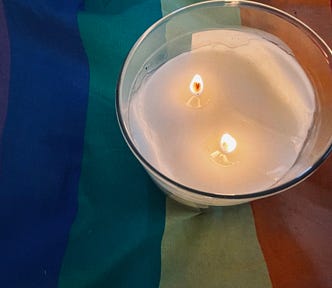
<point x="295" y="227"/>
<point x="295" y="232"/>
<point x="315" y="13"/>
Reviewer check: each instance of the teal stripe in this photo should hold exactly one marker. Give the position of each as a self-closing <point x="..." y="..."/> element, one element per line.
<point x="116" y="237"/>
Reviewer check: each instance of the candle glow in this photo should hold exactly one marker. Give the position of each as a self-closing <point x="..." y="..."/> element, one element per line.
<point x="196" y="85"/>
<point x="227" y="143"/>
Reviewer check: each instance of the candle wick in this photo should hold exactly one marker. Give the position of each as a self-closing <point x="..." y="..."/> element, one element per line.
<point x="197" y="86"/>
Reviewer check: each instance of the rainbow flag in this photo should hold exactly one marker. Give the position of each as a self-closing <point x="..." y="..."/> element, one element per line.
<point x="78" y="210"/>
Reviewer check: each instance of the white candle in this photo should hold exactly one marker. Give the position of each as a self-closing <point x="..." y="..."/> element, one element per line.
<point x="239" y="130"/>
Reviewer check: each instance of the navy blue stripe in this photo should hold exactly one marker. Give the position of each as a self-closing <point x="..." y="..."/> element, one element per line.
<point x="4" y="70"/>
<point x="42" y="140"/>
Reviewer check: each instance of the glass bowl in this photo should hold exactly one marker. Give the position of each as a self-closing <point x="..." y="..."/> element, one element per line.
<point x="197" y="27"/>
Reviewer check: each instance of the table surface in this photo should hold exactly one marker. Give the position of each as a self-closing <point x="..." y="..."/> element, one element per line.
<point x="76" y="208"/>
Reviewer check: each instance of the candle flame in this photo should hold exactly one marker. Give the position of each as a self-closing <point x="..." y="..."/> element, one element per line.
<point x="196" y="85"/>
<point x="227" y="143"/>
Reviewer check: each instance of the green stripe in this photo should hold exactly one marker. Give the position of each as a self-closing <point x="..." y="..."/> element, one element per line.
<point x="116" y="237"/>
<point x="218" y="248"/>
<point x="169" y="6"/>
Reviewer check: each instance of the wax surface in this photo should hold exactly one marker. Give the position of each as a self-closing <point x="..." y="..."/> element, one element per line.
<point x="253" y="90"/>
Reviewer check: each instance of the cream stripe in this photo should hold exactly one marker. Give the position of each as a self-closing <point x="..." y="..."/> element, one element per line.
<point x="218" y="248"/>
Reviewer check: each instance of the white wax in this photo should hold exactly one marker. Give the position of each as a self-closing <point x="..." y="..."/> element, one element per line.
<point x="253" y="90"/>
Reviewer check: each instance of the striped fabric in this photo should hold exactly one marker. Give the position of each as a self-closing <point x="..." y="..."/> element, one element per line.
<point x="77" y="209"/>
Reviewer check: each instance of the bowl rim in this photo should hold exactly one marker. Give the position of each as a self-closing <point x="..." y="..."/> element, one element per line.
<point x="226" y="3"/>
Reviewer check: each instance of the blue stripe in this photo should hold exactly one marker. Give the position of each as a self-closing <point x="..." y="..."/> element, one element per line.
<point x="4" y="70"/>
<point x="116" y="238"/>
<point x="42" y="140"/>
